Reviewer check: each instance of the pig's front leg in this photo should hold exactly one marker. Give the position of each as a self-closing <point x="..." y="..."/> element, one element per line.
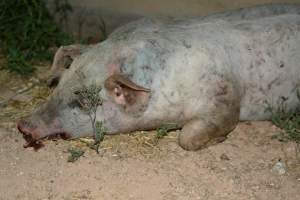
<point x="214" y="120"/>
<point x="197" y="133"/>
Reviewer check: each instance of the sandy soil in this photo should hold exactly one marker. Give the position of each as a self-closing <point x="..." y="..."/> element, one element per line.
<point x="238" y="168"/>
<point x="133" y="167"/>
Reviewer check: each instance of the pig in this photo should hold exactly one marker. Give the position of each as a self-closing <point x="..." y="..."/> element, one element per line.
<point x="204" y="74"/>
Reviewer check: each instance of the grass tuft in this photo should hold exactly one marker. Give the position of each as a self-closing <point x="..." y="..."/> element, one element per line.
<point x="27" y="32"/>
<point x="75" y="154"/>
<point x="163" y="130"/>
<point x="288" y="121"/>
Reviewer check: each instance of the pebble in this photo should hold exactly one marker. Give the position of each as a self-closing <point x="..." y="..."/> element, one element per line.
<point x="224" y="157"/>
<point x="20" y="173"/>
<point x="279" y="168"/>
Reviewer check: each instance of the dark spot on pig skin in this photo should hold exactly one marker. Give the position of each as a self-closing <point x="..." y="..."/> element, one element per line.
<point x="153" y="42"/>
<point x="202" y="77"/>
<point x="146" y="67"/>
<point x="281" y="64"/>
<point x="251" y="66"/>
<point x="186" y="45"/>
<point x="269" y="54"/>
<point x="257" y="63"/>
<point x="283" y="98"/>
<point x="272" y="82"/>
<point x="262" y="90"/>
<point x="223" y="90"/>
<point x="248" y="47"/>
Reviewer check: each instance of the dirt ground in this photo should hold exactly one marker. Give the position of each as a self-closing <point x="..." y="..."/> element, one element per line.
<point x="133" y="167"/>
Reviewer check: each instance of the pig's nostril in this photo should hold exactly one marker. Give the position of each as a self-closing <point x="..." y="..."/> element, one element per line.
<point x="25" y="126"/>
<point x="20" y="125"/>
<point x="27" y="129"/>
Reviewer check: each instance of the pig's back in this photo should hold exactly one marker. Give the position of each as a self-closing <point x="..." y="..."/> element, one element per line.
<point x="260" y="53"/>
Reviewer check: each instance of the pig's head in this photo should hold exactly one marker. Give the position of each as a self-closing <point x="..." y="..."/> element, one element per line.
<point x="125" y="94"/>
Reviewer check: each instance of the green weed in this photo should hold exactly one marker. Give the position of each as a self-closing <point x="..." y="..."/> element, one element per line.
<point x="288" y="121"/>
<point x="27" y="31"/>
<point x="163" y="130"/>
<point x="75" y="154"/>
<point x="89" y="101"/>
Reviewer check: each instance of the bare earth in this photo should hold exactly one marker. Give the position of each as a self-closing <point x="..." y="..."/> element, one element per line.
<point x="133" y="167"/>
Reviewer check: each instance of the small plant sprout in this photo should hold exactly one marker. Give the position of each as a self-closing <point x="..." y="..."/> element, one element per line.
<point x="75" y="154"/>
<point x="89" y="99"/>
<point x="163" y="130"/>
<point x="99" y="136"/>
<point x="288" y="121"/>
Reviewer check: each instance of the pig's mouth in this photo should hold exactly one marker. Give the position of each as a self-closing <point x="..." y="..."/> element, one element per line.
<point x="34" y="135"/>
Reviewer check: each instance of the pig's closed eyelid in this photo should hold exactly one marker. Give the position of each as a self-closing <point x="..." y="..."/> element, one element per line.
<point x="75" y="103"/>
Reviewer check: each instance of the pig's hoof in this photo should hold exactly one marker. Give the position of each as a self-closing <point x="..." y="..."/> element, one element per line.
<point x="196" y="134"/>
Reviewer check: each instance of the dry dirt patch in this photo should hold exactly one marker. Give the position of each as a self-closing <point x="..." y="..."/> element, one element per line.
<point x="238" y="168"/>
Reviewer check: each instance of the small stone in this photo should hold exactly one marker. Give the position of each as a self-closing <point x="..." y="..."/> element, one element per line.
<point x="279" y="168"/>
<point x="255" y="187"/>
<point x="224" y="157"/>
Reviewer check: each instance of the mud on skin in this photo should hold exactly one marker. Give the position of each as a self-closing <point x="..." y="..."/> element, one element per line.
<point x="203" y="74"/>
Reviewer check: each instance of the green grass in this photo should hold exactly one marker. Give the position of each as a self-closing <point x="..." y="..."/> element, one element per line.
<point x="27" y="32"/>
<point x="163" y="130"/>
<point x="75" y="154"/>
<point x="288" y="121"/>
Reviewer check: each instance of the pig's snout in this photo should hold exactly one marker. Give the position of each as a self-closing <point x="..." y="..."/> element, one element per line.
<point x="33" y="133"/>
<point x="30" y="133"/>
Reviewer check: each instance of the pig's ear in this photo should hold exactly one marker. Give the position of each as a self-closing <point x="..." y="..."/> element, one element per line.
<point x="63" y="59"/>
<point x="125" y="92"/>
<point x="69" y="53"/>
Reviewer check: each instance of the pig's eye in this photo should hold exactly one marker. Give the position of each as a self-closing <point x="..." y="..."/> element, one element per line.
<point x="74" y="104"/>
<point x="78" y="103"/>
